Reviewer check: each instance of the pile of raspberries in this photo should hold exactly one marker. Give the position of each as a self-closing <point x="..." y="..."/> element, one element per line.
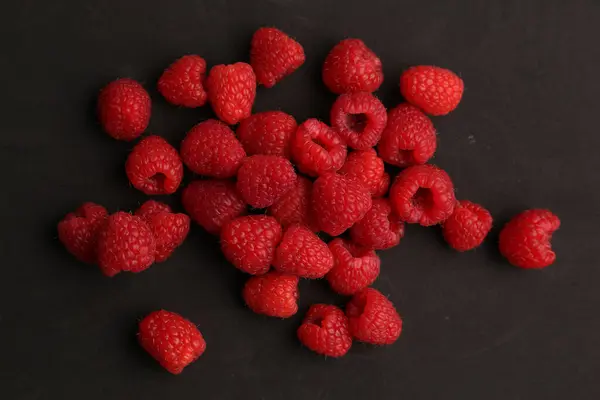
<point x="274" y="189"/>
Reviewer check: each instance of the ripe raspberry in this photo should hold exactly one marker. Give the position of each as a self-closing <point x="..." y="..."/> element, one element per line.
<point x="423" y="194"/>
<point x="380" y="228"/>
<point x="124" y="109"/>
<point x="150" y="208"/>
<point x="384" y="186"/>
<point x="468" y="225"/>
<point x="324" y="330"/>
<point x="211" y="149"/>
<point x="262" y="180"/>
<point x="409" y="137"/>
<point x="359" y="118"/>
<point x="273" y="294"/>
<point x="182" y="83"/>
<point x="352" y="67"/>
<point x="365" y="167"/>
<point x="267" y="133"/>
<point x="295" y="207"/>
<point x="436" y="91"/>
<point x="171" y="340"/>
<point x="525" y="240"/>
<point x="317" y="149"/>
<point x="231" y="91"/>
<point x="274" y="55"/>
<point x="154" y="166"/>
<point x="302" y="253"/>
<point x="372" y="318"/>
<point x="249" y="242"/>
<point x="78" y="231"/>
<point x="169" y="229"/>
<point x="355" y="267"/>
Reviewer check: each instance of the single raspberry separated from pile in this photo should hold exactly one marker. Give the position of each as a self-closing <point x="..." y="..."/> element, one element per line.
<point x="384" y="186"/>
<point x="231" y="91"/>
<point x="365" y="167"/>
<point x="372" y="318"/>
<point x="359" y="118"/>
<point x="295" y="207"/>
<point x="435" y="90"/>
<point x="380" y="228"/>
<point x="355" y="267"/>
<point x="468" y="226"/>
<point x="262" y="180"/>
<point x="273" y="294"/>
<point x="268" y="133"/>
<point x="324" y="330"/>
<point x="182" y="83"/>
<point x="78" y="231"/>
<point x="317" y="149"/>
<point x="169" y="229"/>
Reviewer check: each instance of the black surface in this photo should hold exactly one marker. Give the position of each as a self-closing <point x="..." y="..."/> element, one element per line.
<point x="525" y="135"/>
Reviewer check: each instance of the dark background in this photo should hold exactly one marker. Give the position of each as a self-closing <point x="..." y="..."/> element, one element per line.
<point x="525" y="135"/>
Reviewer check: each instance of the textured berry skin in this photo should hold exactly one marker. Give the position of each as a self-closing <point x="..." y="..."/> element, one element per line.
<point x="262" y="180"/>
<point x="182" y="83"/>
<point x="384" y="186"/>
<point x="302" y="253"/>
<point x="359" y="118"/>
<point x="409" y="137"/>
<point x="210" y="148"/>
<point x="339" y="202"/>
<point x="273" y="294"/>
<point x="154" y="166"/>
<point x="274" y="55"/>
<point x="295" y="207"/>
<point x="212" y="203"/>
<point x="365" y="167"/>
<point x="380" y="228"/>
<point x="317" y="149"/>
<point x="468" y="226"/>
<point x="124" y="109"/>
<point x="171" y="340"/>
<point x="267" y="133"/>
<point x="525" y="240"/>
<point x="372" y="318"/>
<point x="423" y="194"/>
<point x="324" y="330"/>
<point x="78" y="231"/>
<point x="355" y="267"/>
<point x="150" y="208"/>
<point x="249" y="242"/>
<point x="352" y="67"/>
<point x="231" y="91"/>
<point x="169" y="229"/>
<point x="436" y="91"/>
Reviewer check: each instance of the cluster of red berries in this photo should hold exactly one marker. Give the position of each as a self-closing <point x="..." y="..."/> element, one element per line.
<point x="304" y="179"/>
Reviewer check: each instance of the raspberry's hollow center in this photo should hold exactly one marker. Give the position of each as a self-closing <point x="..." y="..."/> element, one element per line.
<point x="423" y="199"/>
<point x="357" y="122"/>
<point x="157" y="181"/>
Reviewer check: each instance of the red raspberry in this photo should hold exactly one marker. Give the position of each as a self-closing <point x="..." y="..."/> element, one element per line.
<point x="273" y="294"/>
<point x="150" y="208"/>
<point x="182" y="82"/>
<point x="210" y="148"/>
<point x="154" y="166"/>
<point x="262" y="180"/>
<point x="359" y="118"/>
<point x="365" y="167"/>
<point x="249" y="242"/>
<point x="468" y="225"/>
<point x="436" y="91"/>
<point x="78" y="231"/>
<point x="355" y="267"/>
<point x="171" y="340"/>
<point x="525" y="239"/>
<point x="339" y="202"/>
<point x="384" y="186"/>
<point x="274" y="55"/>
<point x="267" y="133"/>
<point x="169" y="229"/>
<point x="295" y="207"/>
<point x="302" y="253"/>
<point x="124" y="109"/>
<point x="372" y="318"/>
<point x="324" y="330"/>
<point x="409" y="137"/>
<point x="317" y="149"/>
<point x="380" y="228"/>
<point x="231" y="91"/>
<point x="423" y="194"/>
<point x="213" y="203"/>
<point x="352" y="67"/>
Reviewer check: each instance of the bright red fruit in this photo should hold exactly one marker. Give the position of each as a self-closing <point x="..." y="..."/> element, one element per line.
<point x="78" y="231"/>
<point x="355" y="267"/>
<point x="268" y="133"/>
<point x="324" y="330"/>
<point x="372" y="318"/>
<point x="262" y="180"/>
<point x="365" y="167"/>
<point x="435" y="90"/>
<point x="182" y="83"/>
<point x="468" y="225"/>
<point x="273" y="294"/>
<point x="380" y="228"/>
<point x="295" y="206"/>
<point x="231" y="91"/>
<point x="317" y="149"/>
<point x="359" y="118"/>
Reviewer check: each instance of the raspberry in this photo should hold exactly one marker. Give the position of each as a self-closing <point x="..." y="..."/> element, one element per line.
<point x="124" y="109"/>
<point x="154" y="166"/>
<point x="525" y="240"/>
<point x="274" y="55"/>
<point x="380" y="228"/>
<point x="231" y="91"/>
<point x="249" y="242"/>
<point x="317" y="149"/>
<point x="365" y="167"/>
<point x="262" y="180"/>
<point x="352" y="67"/>
<point x="267" y="133"/>
<point x="468" y="225"/>
<point x="355" y="267"/>
<point x="78" y="231"/>
<point x="372" y="318"/>
<point x="324" y="330"/>
<point x="302" y="253"/>
<point x="171" y="340"/>
<point x="182" y="82"/>
<point x="150" y="208"/>
<point x="169" y="229"/>
<point x="384" y="185"/>
<point x="339" y="202"/>
<point x="359" y="118"/>
<point x="423" y="194"/>
<point x="409" y="137"/>
<point x="436" y="91"/>
<point x="273" y="294"/>
<point x="211" y="149"/>
<point x="295" y="207"/>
